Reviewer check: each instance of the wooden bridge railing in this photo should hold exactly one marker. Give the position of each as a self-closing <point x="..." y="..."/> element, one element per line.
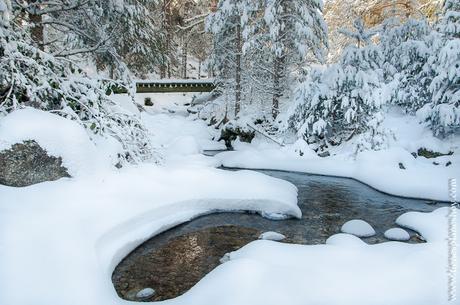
<point x="174" y="86"/>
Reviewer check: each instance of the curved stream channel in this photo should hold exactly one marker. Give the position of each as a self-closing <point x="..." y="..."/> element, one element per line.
<point x="174" y="261"/>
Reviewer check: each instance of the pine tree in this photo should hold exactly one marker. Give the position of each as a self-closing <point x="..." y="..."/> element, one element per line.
<point x="296" y="32"/>
<point x="407" y="52"/>
<point x="31" y="77"/>
<point x="344" y="100"/>
<point x="444" y="112"/>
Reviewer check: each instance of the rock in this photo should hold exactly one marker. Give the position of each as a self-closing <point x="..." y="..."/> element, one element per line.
<point x="324" y="154"/>
<point x="358" y="228"/>
<point x="229" y="134"/>
<point x="397" y="234"/>
<point x="275" y="236"/>
<point x="431" y="154"/>
<point x="27" y="163"/>
<point x="145" y="293"/>
<point x="401" y="166"/>
<point x="448" y="163"/>
<point x="148" y="102"/>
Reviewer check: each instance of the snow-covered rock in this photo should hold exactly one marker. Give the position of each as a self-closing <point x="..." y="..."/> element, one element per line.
<point x="275" y="236"/>
<point x="397" y="234"/>
<point x="358" y="228"/>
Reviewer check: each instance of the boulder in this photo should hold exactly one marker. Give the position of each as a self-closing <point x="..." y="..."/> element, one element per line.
<point x="27" y="163"/>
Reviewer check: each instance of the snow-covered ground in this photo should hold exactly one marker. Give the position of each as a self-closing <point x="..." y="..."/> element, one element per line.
<point x="60" y="241"/>
<point x="420" y="178"/>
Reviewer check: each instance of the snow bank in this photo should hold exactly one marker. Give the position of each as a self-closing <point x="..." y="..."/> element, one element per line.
<point x="60" y="137"/>
<point x="64" y="238"/>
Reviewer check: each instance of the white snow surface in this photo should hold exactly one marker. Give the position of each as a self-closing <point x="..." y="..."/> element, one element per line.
<point x="397" y="234"/>
<point x="358" y="228"/>
<point x="379" y="169"/>
<point x="60" y="241"/>
<point x="275" y="236"/>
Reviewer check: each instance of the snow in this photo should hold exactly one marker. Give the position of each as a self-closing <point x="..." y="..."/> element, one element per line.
<point x="397" y="234"/>
<point x="275" y="236"/>
<point x="378" y="169"/>
<point x="358" y="228"/>
<point x="64" y="238"/>
<point x="58" y="136"/>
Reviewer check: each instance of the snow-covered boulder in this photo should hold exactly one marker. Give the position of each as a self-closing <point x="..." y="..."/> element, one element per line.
<point x="358" y="228"/>
<point x="397" y="234"/>
<point x="58" y="136"/>
<point x="27" y="163"/>
<point x="275" y="236"/>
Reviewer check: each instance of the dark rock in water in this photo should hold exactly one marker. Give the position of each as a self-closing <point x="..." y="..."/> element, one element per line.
<point x="324" y="154"/>
<point x="27" y="163"/>
<point x="449" y="163"/>
<point x="401" y="166"/>
<point x="431" y="154"/>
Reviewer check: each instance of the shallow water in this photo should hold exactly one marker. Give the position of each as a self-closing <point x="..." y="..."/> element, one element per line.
<point x="174" y="261"/>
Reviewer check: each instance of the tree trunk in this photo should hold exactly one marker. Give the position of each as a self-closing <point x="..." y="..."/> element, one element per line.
<point x="238" y="70"/>
<point x="277" y="88"/>
<point x="184" y="59"/>
<point x="37" y="26"/>
<point x="199" y="69"/>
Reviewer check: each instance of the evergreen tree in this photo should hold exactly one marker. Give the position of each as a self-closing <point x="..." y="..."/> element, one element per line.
<point x="342" y="101"/>
<point x="443" y="113"/>
<point x="296" y="32"/>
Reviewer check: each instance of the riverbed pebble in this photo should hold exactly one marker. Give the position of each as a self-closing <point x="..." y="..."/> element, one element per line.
<point x="145" y="293"/>
<point x="397" y="234"/>
<point x="358" y="228"/>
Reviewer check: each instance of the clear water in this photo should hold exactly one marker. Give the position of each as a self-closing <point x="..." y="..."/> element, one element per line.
<point x="174" y="261"/>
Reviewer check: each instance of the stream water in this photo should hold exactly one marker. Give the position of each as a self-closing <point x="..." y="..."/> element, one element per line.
<point x="174" y="261"/>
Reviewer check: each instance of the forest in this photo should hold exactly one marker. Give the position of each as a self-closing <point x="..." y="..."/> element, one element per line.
<point x="229" y="152"/>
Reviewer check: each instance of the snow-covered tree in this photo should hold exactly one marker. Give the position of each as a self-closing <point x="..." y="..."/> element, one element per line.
<point x="34" y="78"/>
<point x="342" y="101"/>
<point x="296" y="33"/>
<point x="443" y="113"/>
<point x="114" y="32"/>
<point x="407" y="51"/>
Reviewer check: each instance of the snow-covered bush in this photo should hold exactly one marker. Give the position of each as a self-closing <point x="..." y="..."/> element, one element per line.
<point x="31" y="77"/>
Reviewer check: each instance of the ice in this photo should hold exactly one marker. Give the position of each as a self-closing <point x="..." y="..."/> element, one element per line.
<point x="358" y="228"/>
<point x="397" y="234"/>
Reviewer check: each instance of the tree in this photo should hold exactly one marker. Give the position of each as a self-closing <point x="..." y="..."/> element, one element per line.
<point x="407" y="51"/>
<point x="443" y="114"/>
<point x="31" y="77"/>
<point x="296" y="31"/>
<point x="115" y="33"/>
<point x="344" y="100"/>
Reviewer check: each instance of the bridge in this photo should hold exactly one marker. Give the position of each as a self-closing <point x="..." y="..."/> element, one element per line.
<point x="171" y="86"/>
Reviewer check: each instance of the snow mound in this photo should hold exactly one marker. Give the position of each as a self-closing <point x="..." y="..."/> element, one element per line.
<point x="358" y="228"/>
<point x="60" y="137"/>
<point x="275" y="236"/>
<point x="342" y="239"/>
<point x="397" y="234"/>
